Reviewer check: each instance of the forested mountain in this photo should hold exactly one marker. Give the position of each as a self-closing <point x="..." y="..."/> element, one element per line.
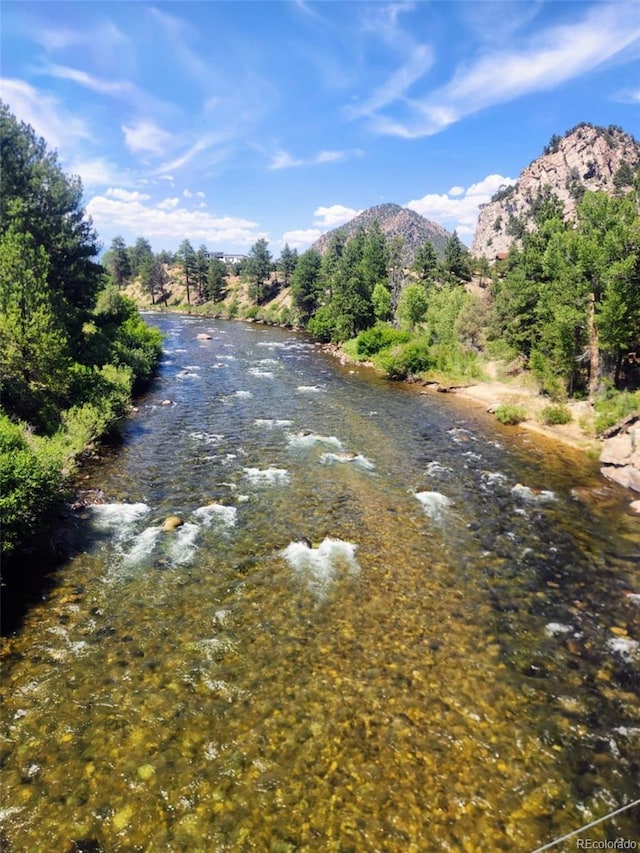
<point x="71" y="348"/>
<point x="586" y="158"/>
<point x="411" y="229"/>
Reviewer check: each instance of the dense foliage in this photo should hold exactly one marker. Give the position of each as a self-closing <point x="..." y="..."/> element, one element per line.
<point x="71" y="349"/>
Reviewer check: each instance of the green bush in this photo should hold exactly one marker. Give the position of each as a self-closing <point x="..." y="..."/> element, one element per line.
<point x="30" y="480"/>
<point x="323" y="324"/>
<point x="510" y="414"/>
<point x="406" y="359"/>
<point x="555" y="414"/>
<point x="615" y="406"/>
<point x="379" y="337"/>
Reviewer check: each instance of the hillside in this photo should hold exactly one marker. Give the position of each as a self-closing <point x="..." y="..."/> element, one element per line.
<point x="586" y="158"/>
<point x="394" y="221"/>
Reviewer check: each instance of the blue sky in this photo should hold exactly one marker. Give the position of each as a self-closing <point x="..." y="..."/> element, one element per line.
<point x="224" y="122"/>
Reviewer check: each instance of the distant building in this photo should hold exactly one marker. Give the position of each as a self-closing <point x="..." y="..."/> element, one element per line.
<point x="234" y="259"/>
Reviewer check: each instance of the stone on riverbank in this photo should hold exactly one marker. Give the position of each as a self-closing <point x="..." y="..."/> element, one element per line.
<point x="620" y="456"/>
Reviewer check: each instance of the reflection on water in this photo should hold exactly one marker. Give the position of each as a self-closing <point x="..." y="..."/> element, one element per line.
<point x="433" y="646"/>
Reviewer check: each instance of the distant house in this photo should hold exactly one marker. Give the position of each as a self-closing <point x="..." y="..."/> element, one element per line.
<point x="502" y="256"/>
<point x="234" y="259"/>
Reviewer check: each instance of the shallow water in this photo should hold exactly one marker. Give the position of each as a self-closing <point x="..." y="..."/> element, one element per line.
<point x="386" y="624"/>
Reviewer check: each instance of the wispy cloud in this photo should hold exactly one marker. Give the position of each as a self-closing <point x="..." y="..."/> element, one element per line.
<point x="105" y="87"/>
<point x="48" y="117"/>
<point x="200" y="145"/>
<point x="419" y="60"/>
<point x="179" y="33"/>
<point x="458" y="209"/>
<point x="546" y="60"/>
<point x="284" y="160"/>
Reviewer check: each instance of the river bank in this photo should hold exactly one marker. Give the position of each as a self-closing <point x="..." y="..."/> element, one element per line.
<point x="519" y="392"/>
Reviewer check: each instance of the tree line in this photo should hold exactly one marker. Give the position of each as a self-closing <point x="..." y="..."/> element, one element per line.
<point x="72" y="349"/>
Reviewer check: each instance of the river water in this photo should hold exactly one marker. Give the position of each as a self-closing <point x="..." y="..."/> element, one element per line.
<point x="386" y="624"/>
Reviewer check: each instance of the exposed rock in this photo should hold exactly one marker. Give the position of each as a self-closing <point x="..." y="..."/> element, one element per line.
<point x="203" y="337"/>
<point x="172" y="522"/>
<point x="635" y="506"/>
<point x="587" y="158"/>
<point x="620" y="456"/>
<point x="617" y="450"/>
<point x="394" y="221"/>
<point x="166" y="403"/>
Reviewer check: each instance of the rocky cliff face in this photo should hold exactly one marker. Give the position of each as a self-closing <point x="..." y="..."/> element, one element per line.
<point x="587" y="158"/>
<point x="394" y="221"/>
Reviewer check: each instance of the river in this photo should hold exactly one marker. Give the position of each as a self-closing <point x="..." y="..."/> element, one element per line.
<point x="386" y="623"/>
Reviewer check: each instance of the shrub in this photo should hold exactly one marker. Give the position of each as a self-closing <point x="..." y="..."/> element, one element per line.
<point x="377" y="338"/>
<point x="29" y="484"/>
<point x="406" y="359"/>
<point x="555" y="414"/>
<point x="614" y="407"/>
<point x="510" y="414"/>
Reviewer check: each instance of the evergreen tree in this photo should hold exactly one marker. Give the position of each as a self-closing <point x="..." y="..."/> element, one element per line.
<point x="201" y="271"/>
<point x="140" y="254"/>
<point x="287" y="263"/>
<point x="187" y="259"/>
<point x="217" y="274"/>
<point x="258" y="269"/>
<point x="306" y="284"/>
<point x="456" y="261"/>
<point x="38" y="199"/>
<point x="118" y="262"/>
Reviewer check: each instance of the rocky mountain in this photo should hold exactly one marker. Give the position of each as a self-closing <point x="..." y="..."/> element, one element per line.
<point x="586" y="158"/>
<point x="394" y="221"/>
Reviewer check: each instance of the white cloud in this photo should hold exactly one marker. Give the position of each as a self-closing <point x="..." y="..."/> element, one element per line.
<point x="96" y="172"/>
<point x="58" y="127"/>
<point x="200" y="194"/>
<point x="126" y="195"/>
<point x="168" y="203"/>
<point x="284" y="160"/>
<point x="333" y="216"/>
<point x="548" y="59"/>
<point x="459" y="211"/>
<point x="187" y="193"/>
<point x="300" y="238"/>
<point x="115" y="214"/>
<point x="146" y="136"/>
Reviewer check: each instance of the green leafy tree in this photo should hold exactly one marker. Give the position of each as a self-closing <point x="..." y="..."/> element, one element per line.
<point x="381" y="300"/>
<point x="413" y="305"/>
<point x="258" y="269"/>
<point x="34" y="359"/>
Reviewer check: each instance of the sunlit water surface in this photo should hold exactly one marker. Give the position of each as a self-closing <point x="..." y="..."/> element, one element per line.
<point x="386" y="624"/>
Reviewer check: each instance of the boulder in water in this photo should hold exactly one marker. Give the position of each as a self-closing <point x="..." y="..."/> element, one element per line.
<point x="203" y="337"/>
<point x="172" y="522"/>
